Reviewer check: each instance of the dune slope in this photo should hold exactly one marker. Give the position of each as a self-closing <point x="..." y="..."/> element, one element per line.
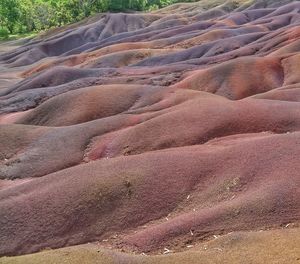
<point x="173" y="133"/>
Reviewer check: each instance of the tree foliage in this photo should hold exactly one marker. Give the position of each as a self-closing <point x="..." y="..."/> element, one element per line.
<point x="22" y="16"/>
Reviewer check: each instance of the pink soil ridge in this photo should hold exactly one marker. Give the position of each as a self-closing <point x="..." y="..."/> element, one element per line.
<point x="152" y="130"/>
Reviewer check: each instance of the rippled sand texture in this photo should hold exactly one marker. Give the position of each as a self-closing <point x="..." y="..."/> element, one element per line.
<point x="173" y="133"/>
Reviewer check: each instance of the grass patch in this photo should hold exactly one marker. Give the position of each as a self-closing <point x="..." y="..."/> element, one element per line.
<point x="18" y="36"/>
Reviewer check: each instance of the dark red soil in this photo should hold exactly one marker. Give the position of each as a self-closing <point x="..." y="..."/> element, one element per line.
<point x="152" y="130"/>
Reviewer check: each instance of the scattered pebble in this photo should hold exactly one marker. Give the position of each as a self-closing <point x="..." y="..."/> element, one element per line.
<point x="167" y="251"/>
<point x="219" y="249"/>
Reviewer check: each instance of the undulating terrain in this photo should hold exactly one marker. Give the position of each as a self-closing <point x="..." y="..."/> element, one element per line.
<point x="170" y="136"/>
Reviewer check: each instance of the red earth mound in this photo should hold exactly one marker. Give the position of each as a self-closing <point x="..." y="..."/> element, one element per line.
<point x="143" y="132"/>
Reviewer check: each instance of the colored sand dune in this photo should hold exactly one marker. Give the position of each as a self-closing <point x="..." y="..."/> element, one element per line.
<point x="171" y="136"/>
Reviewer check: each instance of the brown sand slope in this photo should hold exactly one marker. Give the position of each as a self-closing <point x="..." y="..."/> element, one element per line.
<point x="238" y="247"/>
<point x="145" y="131"/>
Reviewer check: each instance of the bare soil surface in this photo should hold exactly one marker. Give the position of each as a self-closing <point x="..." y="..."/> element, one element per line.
<point x="170" y="136"/>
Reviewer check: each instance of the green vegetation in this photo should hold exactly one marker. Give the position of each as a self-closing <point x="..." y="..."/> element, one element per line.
<point x="24" y="16"/>
<point x="16" y="36"/>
